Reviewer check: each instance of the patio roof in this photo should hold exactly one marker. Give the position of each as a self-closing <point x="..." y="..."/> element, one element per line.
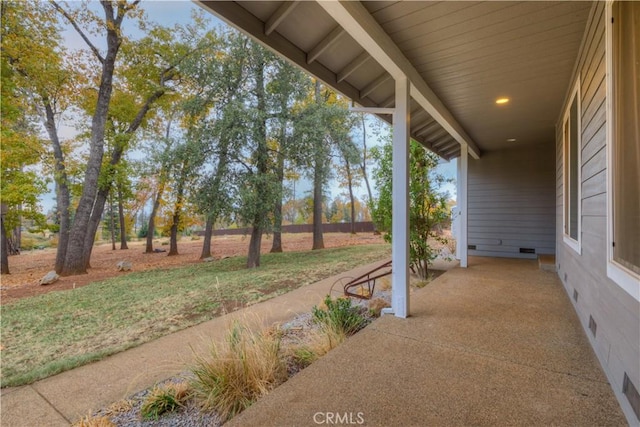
<point x="459" y="57"/>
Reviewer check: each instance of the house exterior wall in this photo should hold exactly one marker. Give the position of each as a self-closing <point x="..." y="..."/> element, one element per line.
<point x="511" y="202"/>
<point x="615" y="313"/>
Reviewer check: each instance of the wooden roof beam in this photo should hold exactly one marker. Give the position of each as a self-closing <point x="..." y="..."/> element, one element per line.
<point x="353" y="66"/>
<point x="278" y="16"/>
<point x="382" y="79"/>
<point x="325" y="44"/>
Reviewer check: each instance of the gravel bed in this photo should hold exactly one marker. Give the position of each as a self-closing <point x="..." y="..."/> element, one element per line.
<point x="126" y="413"/>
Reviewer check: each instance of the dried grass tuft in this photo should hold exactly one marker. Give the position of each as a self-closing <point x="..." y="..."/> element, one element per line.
<point x="92" y="421"/>
<point x="163" y="399"/>
<point x="246" y="366"/>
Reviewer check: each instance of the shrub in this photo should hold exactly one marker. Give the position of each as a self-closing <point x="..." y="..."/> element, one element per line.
<point x="164" y="399"/>
<point x="242" y="368"/>
<point x="340" y="315"/>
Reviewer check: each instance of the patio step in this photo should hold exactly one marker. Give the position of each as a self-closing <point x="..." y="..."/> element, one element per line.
<point x="547" y="262"/>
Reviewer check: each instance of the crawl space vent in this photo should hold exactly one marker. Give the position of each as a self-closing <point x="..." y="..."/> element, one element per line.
<point x="631" y="392"/>
<point x="592" y="325"/>
<point x="472" y="247"/>
<point x="527" y="251"/>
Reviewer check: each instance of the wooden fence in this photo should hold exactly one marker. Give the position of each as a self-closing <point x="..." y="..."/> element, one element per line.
<point x="360" y="227"/>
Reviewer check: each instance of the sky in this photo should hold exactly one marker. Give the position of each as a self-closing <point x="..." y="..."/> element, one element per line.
<point x="172" y="12"/>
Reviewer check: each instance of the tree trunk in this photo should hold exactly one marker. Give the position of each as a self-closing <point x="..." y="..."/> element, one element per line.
<point x="351" y="198"/>
<point x="261" y="159"/>
<point x="253" y="259"/>
<point x="363" y="167"/>
<point x="75" y="261"/>
<point x="318" y="179"/>
<point x="4" y="247"/>
<point x="206" y="245"/>
<point x="94" y="223"/>
<point x="318" y="240"/>
<point x="173" y="245"/>
<point x="123" y="228"/>
<point x="112" y="223"/>
<point x="276" y="247"/>
<point x="62" y="189"/>
<point x="173" y="239"/>
<point x="152" y="220"/>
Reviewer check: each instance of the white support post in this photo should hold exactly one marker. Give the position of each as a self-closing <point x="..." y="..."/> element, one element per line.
<point x="462" y="185"/>
<point x="400" y="225"/>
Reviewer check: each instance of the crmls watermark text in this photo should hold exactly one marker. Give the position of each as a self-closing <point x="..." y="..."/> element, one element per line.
<point x="339" y="418"/>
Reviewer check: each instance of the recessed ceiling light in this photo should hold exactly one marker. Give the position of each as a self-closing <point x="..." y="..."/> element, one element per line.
<point x="511" y="140"/>
<point x="502" y="100"/>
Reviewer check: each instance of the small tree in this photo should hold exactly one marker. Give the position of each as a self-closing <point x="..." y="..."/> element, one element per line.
<point x="427" y="202"/>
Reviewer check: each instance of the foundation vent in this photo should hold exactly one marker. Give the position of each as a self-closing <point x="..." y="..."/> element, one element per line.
<point x="631" y="392"/>
<point x="575" y="295"/>
<point x="527" y="251"/>
<point x="592" y="325"/>
<point x="472" y="247"/>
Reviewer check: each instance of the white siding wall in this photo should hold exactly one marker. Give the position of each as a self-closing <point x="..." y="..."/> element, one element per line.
<point x="616" y="313"/>
<point x="511" y="202"/>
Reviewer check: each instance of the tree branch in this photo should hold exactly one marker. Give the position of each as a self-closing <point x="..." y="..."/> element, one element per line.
<point x="137" y="121"/>
<point x="72" y="21"/>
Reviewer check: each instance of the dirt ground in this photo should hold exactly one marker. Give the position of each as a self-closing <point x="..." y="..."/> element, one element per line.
<point x="29" y="267"/>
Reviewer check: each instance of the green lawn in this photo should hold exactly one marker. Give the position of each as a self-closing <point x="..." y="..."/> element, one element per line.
<point x="51" y="333"/>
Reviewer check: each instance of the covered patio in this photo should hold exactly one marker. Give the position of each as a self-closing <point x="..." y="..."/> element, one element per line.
<point x="497" y="343"/>
<point x="521" y="94"/>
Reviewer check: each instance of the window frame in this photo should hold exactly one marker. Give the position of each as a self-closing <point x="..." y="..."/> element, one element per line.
<point x="622" y="276"/>
<point x="575" y="244"/>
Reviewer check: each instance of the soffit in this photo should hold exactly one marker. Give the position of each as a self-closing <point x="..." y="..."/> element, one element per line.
<point x="469" y="53"/>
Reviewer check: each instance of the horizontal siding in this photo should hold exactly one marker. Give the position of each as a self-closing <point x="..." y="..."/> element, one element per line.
<point x="617" y="314"/>
<point x="511" y="202"/>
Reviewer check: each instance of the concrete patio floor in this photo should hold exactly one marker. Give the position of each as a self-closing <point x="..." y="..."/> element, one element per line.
<point x="498" y="343"/>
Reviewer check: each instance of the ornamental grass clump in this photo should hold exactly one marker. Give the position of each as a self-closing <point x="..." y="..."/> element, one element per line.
<point x="340" y="315"/>
<point x="316" y="344"/>
<point x="244" y="367"/>
<point x="93" y="421"/>
<point x="167" y="398"/>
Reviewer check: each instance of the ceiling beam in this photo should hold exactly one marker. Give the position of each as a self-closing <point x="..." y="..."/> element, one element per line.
<point x="358" y="22"/>
<point x="429" y="128"/>
<point x="325" y="44"/>
<point x="443" y="141"/>
<point x="382" y="79"/>
<point x="278" y="16"/>
<point x="437" y="134"/>
<point x="416" y="126"/>
<point x="389" y="102"/>
<point x="449" y="153"/>
<point x="353" y="66"/>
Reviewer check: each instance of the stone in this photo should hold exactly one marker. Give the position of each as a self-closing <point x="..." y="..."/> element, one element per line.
<point x="124" y="265"/>
<point x="209" y="259"/>
<point x="49" y="278"/>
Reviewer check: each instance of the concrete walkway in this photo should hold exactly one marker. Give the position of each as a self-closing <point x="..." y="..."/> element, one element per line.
<point x="64" y="398"/>
<point x="495" y="344"/>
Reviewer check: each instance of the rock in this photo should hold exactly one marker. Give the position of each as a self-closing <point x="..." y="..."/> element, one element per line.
<point x="159" y="250"/>
<point x="209" y="259"/>
<point x="49" y="278"/>
<point x="124" y="265"/>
